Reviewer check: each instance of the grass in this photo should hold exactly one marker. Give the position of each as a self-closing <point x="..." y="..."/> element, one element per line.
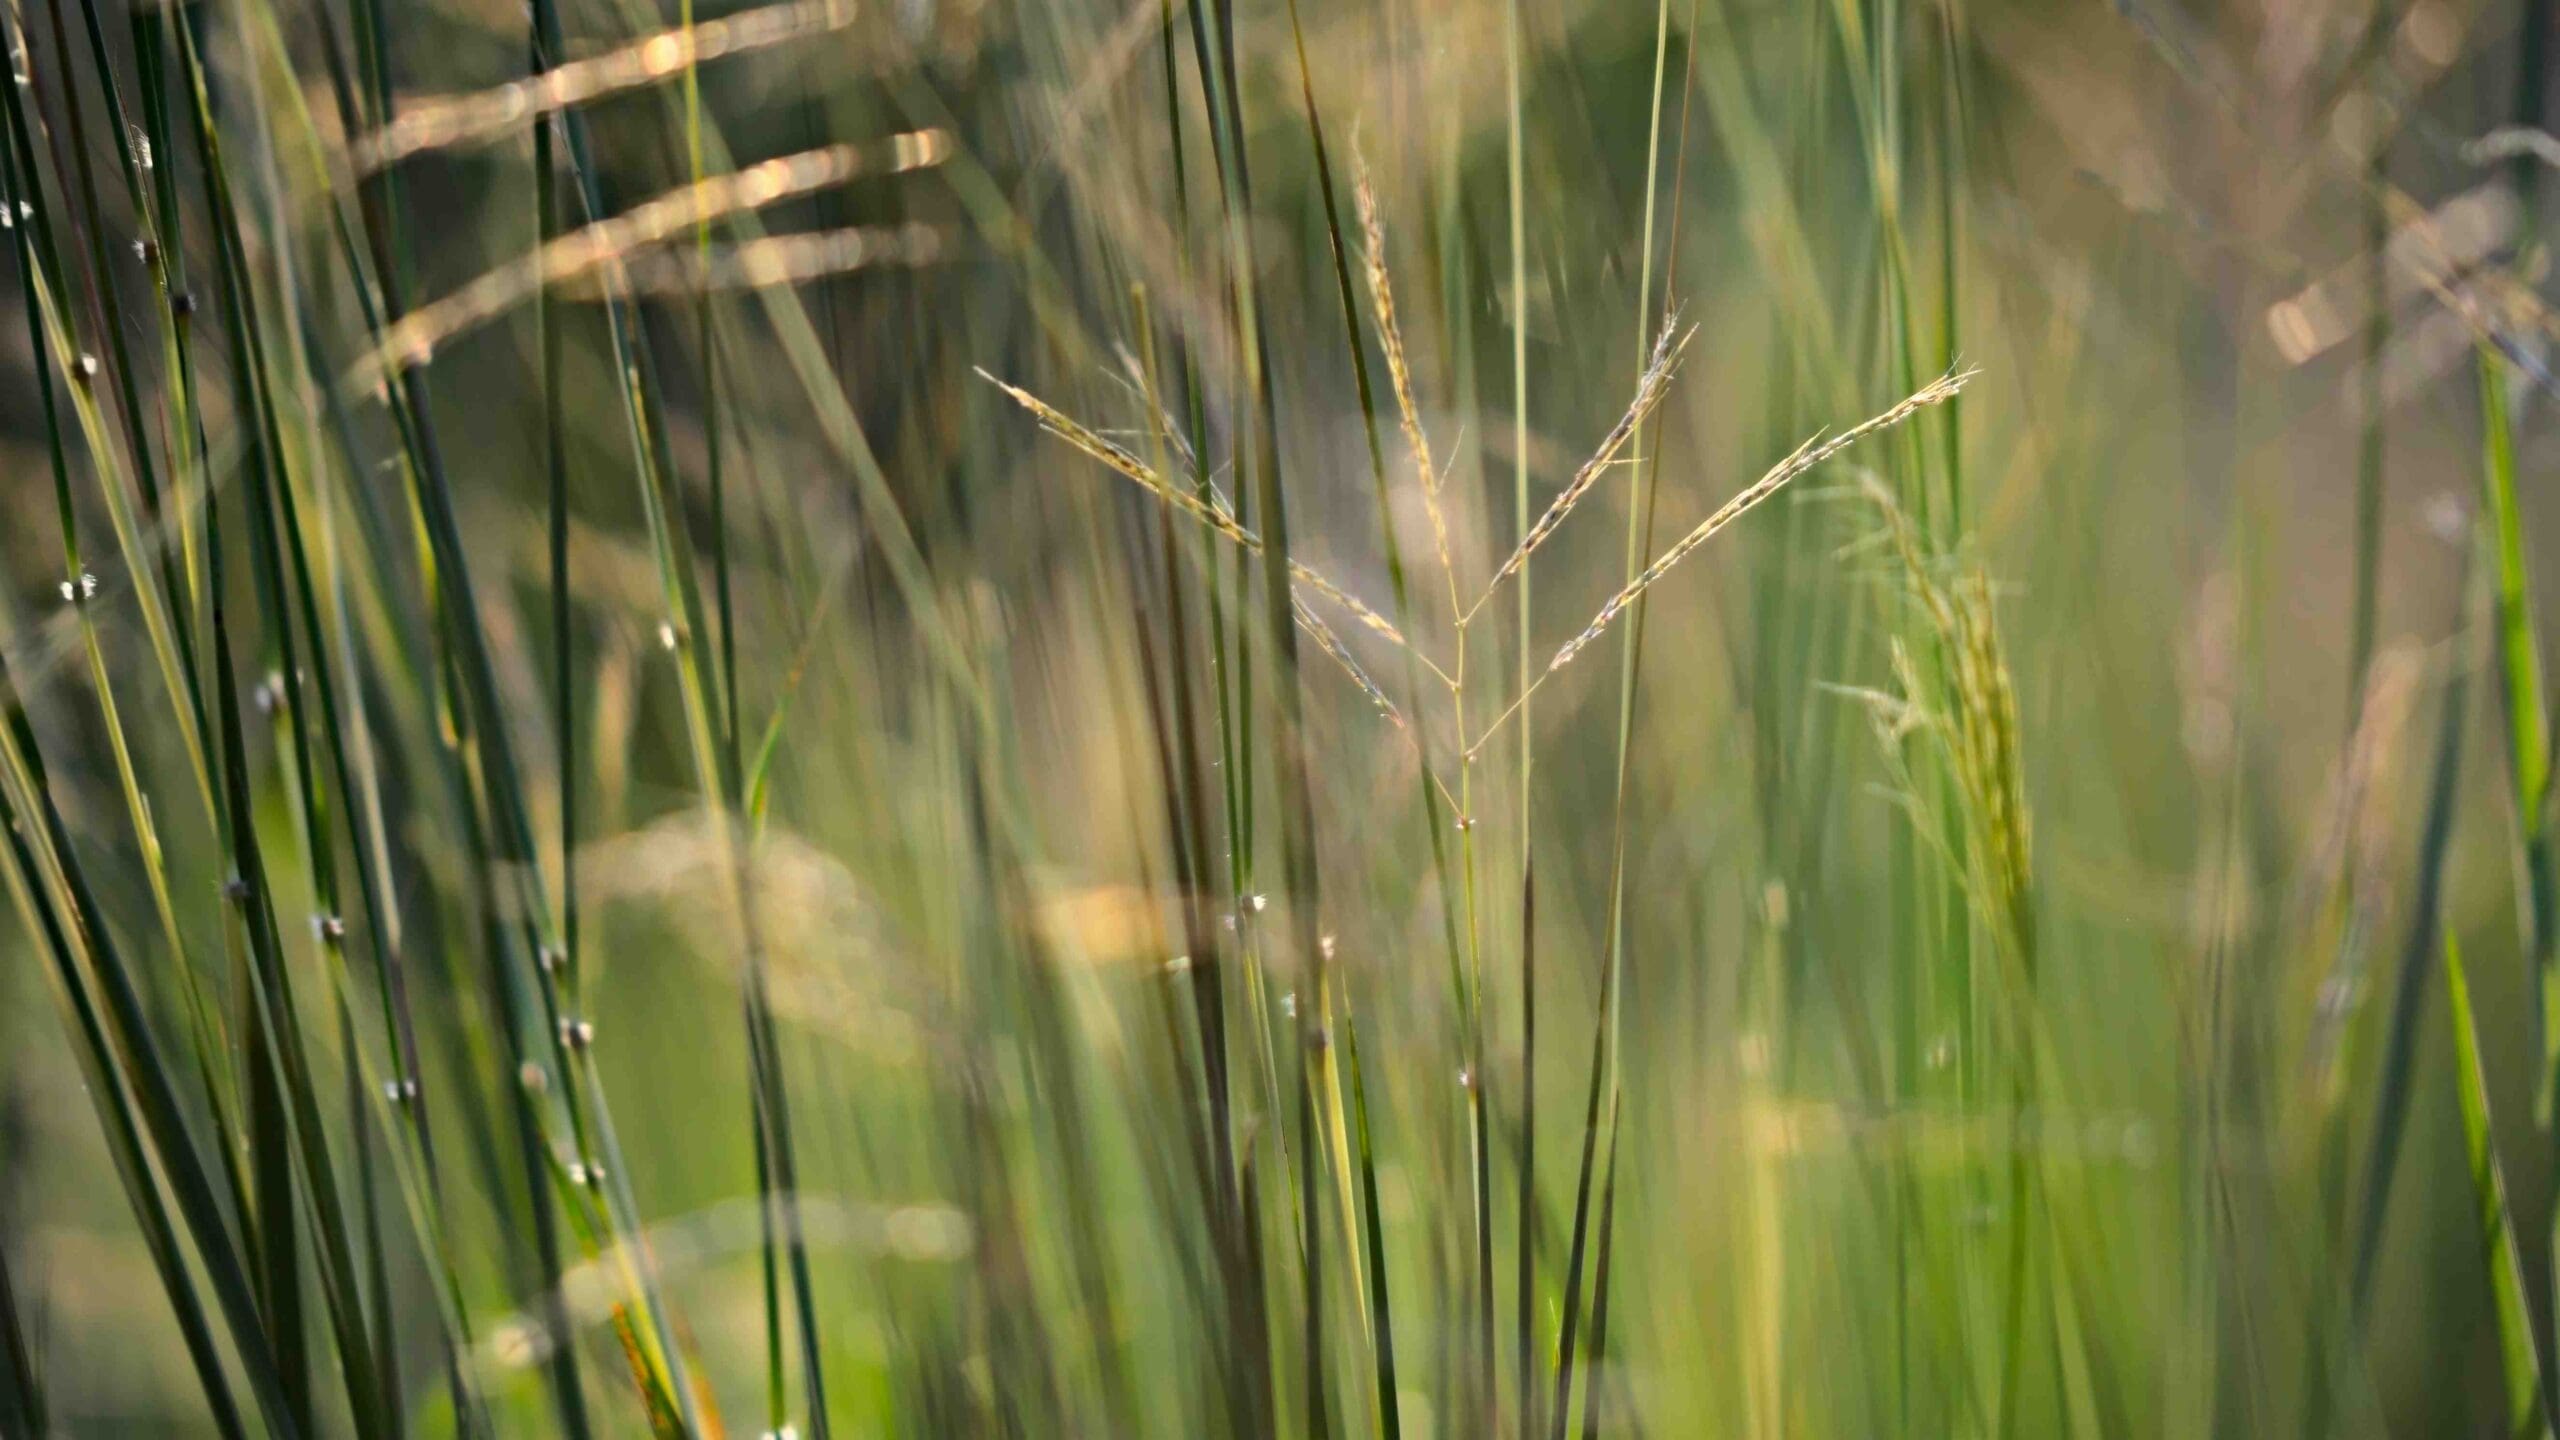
<point x="801" y="719"/>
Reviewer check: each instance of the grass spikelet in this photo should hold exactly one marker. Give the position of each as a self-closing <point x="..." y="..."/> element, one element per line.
<point x="1331" y="644"/>
<point x="1382" y="300"/>
<point x="1668" y="347"/>
<point x="1211" y="512"/>
<point x="1976" y="717"/>
<point x="1805" y="457"/>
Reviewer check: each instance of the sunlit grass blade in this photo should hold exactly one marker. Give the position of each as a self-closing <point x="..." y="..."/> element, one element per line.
<point x="137" y="1097"/>
<point x="1652" y="383"/>
<point x="2527" y="712"/>
<point x="159" y="1233"/>
<point x="2519" y="1356"/>
<point x="1811" y="454"/>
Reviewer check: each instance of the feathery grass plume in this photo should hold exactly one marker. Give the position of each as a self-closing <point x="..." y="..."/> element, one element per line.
<point x="1214" y="513"/>
<point x="413" y="339"/>
<point x="1805" y="457"/>
<point x="1331" y="645"/>
<point x="1977" y="721"/>
<point x="442" y="121"/>
<point x="1668" y="347"/>
<point x="1966" y="704"/>
<point x="1382" y="298"/>
<point x="1211" y="512"/>
<point x="1644" y="494"/>
<point x="1382" y="301"/>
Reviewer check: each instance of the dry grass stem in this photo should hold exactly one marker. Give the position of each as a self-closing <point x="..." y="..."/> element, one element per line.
<point x="448" y="120"/>
<point x="607" y="243"/>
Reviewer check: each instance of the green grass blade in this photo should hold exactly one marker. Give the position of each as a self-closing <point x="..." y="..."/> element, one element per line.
<point x="2519" y="1356"/>
<point x="2527" y="710"/>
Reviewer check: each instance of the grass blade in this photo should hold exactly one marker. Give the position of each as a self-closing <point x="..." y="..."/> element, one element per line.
<point x="2519" y="1355"/>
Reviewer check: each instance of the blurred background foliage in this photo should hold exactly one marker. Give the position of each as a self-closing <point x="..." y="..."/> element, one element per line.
<point x="1987" y="963"/>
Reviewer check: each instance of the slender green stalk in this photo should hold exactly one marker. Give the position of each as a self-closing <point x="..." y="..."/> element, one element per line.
<point x="1605" y="1037"/>
<point x="567" y="1393"/>
<point x="1516" y="192"/>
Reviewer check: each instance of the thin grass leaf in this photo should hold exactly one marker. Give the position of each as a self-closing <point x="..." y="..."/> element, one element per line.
<point x="2519" y="1356"/>
<point x="2527" y="714"/>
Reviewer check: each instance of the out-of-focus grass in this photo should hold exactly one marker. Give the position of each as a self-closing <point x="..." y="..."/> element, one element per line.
<point x="612" y="840"/>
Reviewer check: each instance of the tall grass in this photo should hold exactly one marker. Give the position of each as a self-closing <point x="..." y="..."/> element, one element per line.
<point x="800" y="718"/>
